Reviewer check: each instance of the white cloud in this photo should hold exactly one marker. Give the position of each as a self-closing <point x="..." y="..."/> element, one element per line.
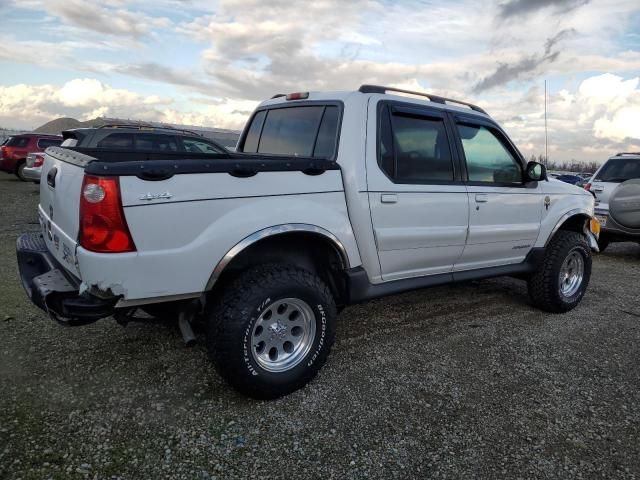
<point x="117" y="19"/>
<point x="28" y="106"/>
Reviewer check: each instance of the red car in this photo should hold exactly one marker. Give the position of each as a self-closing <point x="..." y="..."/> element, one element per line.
<point x="14" y="151"/>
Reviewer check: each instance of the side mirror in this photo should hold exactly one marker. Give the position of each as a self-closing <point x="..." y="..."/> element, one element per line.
<point x="535" y="172"/>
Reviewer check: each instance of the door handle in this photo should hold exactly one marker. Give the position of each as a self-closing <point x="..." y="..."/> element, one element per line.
<point x="51" y="177"/>
<point x="389" y="198"/>
<point x="598" y="189"/>
<point x="482" y="198"/>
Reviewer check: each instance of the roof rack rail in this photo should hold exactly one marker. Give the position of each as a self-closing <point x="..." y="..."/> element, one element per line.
<point x="278" y="95"/>
<point x="430" y="96"/>
<point x="627" y="153"/>
<point x="149" y="126"/>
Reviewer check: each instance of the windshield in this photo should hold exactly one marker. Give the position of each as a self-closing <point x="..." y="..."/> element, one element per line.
<point x="619" y="170"/>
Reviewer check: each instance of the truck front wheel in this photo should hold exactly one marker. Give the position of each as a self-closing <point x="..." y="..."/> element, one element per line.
<point x="563" y="275"/>
<point x="271" y="330"/>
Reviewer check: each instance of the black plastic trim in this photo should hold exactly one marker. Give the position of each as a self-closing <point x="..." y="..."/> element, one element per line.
<point x="360" y="289"/>
<point x="433" y="98"/>
<point x="65" y="304"/>
<point x="237" y="165"/>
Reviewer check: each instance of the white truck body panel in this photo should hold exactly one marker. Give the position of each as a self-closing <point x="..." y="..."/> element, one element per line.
<point x="179" y="258"/>
<point x="185" y="225"/>
<point x="503" y="225"/>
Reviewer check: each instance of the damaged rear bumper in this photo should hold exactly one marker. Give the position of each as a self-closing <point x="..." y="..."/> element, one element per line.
<point x="51" y="288"/>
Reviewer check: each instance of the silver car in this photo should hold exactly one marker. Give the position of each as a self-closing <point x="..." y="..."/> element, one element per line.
<point x="615" y="185"/>
<point x="33" y="168"/>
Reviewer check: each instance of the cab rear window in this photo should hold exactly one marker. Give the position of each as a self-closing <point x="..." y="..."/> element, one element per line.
<point x="301" y="131"/>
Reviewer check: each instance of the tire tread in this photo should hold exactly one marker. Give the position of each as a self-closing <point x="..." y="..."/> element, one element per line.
<point x="226" y="321"/>
<point x="542" y="283"/>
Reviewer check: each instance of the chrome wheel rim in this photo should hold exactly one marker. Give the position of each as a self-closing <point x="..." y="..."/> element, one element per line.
<point x="283" y="334"/>
<point x="571" y="274"/>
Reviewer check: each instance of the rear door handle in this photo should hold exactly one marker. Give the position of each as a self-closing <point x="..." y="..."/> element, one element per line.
<point x="482" y="198"/>
<point x="389" y="198"/>
<point x="598" y="189"/>
<point x="51" y="177"/>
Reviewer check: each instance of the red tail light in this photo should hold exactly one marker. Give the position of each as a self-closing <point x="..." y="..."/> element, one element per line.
<point x="39" y="160"/>
<point x="103" y="227"/>
<point x="587" y="187"/>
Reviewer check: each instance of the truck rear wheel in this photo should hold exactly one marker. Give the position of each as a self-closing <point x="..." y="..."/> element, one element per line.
<point x="272" y="329"/>
<point x="563" y="275"/>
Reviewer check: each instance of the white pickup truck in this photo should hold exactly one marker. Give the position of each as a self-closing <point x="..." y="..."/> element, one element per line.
<point x="333" y="198"/>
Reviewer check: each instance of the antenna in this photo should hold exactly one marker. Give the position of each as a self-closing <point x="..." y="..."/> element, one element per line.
<point x="546" y="137"/>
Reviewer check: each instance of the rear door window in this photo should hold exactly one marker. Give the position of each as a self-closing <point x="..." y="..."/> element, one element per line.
<point x="118" y="140"/>
<point x="414" y="148"/>
<point x="619" y="170"/>
<point x="45" y="143"/>
<point x="304" y="131"/>
<point x="156" y="142"/>
<point x="195" y="145"/>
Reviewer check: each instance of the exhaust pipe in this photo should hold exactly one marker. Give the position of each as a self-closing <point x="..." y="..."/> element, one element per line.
<point x="184" y="323"/>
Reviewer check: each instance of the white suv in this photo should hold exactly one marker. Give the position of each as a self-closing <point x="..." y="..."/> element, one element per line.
<point x="616" y="187"/>
<point x="334" y="198"/>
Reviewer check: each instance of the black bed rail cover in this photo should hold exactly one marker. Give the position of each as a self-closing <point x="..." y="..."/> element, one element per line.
<point x="238" y="165"/>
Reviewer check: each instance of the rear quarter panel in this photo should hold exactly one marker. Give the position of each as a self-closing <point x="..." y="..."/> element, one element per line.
<point x="181" y="239"/>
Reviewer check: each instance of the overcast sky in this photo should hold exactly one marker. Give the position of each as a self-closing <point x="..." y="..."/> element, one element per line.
<point x="209" y="63"/>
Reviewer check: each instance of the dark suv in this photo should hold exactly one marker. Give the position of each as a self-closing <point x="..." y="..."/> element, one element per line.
<point x="140" y="138"/>
<point x="14" y="151"/>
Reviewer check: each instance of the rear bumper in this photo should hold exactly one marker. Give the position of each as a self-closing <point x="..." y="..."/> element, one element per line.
<point x="32" y="173"/>
<point x="52" y="289"/>
<point x="615" y="232"/>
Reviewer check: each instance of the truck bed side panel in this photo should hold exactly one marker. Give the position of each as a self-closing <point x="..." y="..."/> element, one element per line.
<point x="183" y="242"/>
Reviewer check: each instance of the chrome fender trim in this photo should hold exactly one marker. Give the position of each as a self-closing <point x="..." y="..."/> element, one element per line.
<point x="565" y="217"/>
<point x="269" y="232"/>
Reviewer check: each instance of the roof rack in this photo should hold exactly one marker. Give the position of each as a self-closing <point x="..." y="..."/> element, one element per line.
<point x="278" y="95"/>
<point x="627" y="153"/>
<point x="150" y="127"/>
<point x="430" y="96"/>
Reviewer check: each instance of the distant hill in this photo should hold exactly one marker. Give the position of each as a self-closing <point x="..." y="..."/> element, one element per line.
<point x="65" y="123"/>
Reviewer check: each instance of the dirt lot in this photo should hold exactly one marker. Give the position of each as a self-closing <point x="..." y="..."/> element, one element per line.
<point x="455" y="382"/>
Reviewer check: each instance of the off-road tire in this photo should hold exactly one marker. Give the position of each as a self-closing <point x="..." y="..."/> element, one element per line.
<point x="20" y="171"/>
<point x="232" y="318"/>
<point x="544" y="284"/>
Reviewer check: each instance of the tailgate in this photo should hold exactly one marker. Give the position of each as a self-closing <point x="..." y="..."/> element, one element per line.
<point x="62" y="175"/>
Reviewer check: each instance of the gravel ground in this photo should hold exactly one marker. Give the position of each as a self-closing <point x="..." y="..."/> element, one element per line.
<point x="466" y="381"/>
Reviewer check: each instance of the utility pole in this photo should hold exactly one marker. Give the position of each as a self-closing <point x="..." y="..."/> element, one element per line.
<point x="546" y="138"/>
